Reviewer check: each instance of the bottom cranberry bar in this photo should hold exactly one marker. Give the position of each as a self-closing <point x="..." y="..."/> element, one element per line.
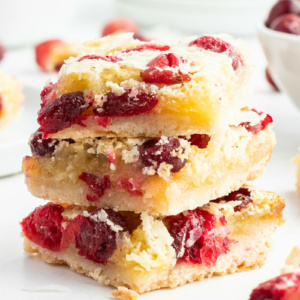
<point x="143" y="253"/>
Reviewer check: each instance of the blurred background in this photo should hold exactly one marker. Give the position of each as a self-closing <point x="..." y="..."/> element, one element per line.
<point x="24" y="23"/>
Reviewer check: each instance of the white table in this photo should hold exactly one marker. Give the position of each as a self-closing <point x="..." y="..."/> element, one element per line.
<point x="26" y="278"/>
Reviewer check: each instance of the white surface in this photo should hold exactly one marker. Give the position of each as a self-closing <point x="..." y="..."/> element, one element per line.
<point x="29" y="278"/>
<point x="283" y="53"/>
<point x="237" y="17"/>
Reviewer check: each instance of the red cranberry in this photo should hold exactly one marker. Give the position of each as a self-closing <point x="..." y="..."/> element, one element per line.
<point x="158" y="70"/>
<point x="148" y="46"/>
<point x="119" y="25"/>
<point x="43" y="51"/>
<point x="40" y="146"/>
<point x="158" y="150"/>
<point x="96" y="184"/>
<point x="283" y="287"/>
<point x="199" y="140"/>
<point x="127" y="104"/>
<point x="287" y="23"/>
<point x="105" y="58"/>
<point x="219" y="46"/>
<point x="281" y="8"/>
<point x="131" y="185"/>
<point x="44" y="226"/>
<point x="243" y="194"/>
<point x="260" y="126"/>
<point x="195" y="237"/>
<point x="2" y="51"/>
<point x="48" y="93"/>
<point x="62" y="112"/>
<point x="95" y="239"/>
<point x="270" y="80"/>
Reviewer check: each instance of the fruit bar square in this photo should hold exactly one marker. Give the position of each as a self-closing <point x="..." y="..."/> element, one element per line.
<point x="118" y="86"/>
<point x="161" y="176"/>
<point x="142" y="252"/>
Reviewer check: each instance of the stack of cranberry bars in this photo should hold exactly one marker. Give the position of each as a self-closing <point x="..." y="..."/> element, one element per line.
<point x="143" y="151"/>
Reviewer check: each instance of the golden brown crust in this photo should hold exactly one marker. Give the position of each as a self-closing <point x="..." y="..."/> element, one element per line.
<point x="123" y="293"/>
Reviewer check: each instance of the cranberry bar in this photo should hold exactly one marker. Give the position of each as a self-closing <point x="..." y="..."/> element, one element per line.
<point x="11" y="99"/>
<point x="118" y="86"/>
<point x="143" y="253"/>
<point x="164" y="175"/>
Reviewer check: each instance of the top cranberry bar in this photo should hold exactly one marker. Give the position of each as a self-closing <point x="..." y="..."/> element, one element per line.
<point x="119" y="86"/>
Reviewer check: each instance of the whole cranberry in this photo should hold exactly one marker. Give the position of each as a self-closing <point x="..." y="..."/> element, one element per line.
<point x="287" y="23"/>
<point x="44" y="226"/>
<point x="95" y="239"/>
<point x="279" y="9"/>
<point x="119" y="25"/>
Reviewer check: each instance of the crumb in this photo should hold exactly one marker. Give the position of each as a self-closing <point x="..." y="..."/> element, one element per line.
<point x="123" y="293"/>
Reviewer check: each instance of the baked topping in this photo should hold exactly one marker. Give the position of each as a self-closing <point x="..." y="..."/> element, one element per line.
<point x="105" y="58"/>
<point x="259" y="126"/>
<point x="147" y="47"/>
<point x="219" y="46"/>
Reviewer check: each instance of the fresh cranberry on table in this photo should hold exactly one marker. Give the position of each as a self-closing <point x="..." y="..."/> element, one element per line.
<point x="119" y="25"/>
<point x="43" y="54"/>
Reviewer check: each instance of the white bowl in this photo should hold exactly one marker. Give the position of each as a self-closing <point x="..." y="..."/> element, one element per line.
<point x="237" y="17"/>
<point x="283" y="54"/>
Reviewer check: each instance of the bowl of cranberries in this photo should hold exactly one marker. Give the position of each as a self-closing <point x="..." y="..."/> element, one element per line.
<point x="279" y="36"/>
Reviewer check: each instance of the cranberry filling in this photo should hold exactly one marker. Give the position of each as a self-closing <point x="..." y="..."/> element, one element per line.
<point x="283" y="287"/>
<point x="62" y="112"/>
<point x="127" y="104"/>
<point x="199" y="140"/>
<point x="131" y="185"/>
<point x="145" y="47"/>
<point x="44" y="226"/>
<point x="159" y="150"/>
<point x="96" y="185"/>
<point x="105" y="58"/>
<point x="196" y="237"/>
<point x="158" y="70"/>
<point x="260" y="126"/>
<point x="95" y="239"/>
<point x="243" y="194"/>
<point x="219" y="46"/>
<point x="40" y="146"/>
